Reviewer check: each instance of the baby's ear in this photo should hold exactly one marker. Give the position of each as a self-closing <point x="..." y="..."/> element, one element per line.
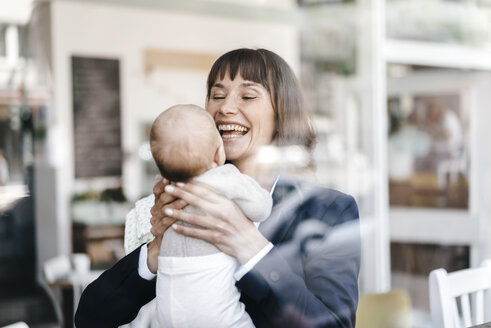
<point x="219" y="155"/>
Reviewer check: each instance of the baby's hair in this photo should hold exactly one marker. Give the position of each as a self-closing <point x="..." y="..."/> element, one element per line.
<point x="179" y="138"/>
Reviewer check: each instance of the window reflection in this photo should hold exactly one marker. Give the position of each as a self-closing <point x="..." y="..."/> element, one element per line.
<point x="428" y="164"/>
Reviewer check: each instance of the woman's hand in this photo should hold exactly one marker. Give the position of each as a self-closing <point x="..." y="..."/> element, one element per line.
<point x="160" y="222"/>
<point x="224" y="224"/>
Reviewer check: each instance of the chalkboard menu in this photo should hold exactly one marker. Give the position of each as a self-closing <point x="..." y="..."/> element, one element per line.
<point x="96" y="117"/>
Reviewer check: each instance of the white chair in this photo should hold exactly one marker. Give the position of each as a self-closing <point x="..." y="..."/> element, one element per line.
<point x="19" y="324"/>
<point x="78" y="275"/>
<point x="57" y="268"/>
<point x="461" y="298"/>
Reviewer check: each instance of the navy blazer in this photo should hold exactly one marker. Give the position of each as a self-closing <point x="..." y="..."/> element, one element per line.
<point x="309" y="278"/>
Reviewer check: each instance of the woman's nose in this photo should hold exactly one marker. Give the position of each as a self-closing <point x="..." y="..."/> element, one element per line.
<point x="229" y="107"/>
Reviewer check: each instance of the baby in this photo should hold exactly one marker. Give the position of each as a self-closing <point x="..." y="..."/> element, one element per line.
<point x="195" y="283"/>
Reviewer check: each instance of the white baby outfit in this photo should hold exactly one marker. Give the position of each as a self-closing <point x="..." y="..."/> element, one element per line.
<point x="195" y="282"/>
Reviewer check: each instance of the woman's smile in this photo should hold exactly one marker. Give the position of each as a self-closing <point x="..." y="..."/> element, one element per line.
<point x="230" y="130"/>
<point x="236" y="138"/>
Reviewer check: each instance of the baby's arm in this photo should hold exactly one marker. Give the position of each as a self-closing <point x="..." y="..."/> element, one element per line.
<point x="253" y="200"/>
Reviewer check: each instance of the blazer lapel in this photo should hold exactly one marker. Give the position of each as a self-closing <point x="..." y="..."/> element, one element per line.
<point x="288" y="196"/>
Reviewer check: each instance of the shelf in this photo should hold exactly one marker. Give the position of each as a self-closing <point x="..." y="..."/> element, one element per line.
<point x="436" y="54"/>
<point x="432" y="226"/>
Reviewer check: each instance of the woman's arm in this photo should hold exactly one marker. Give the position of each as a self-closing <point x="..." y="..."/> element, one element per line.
<point x="224" y="225"/>
<point x="311" y="278"/>
<point x="322" y="292"/>
<point x="116" y="296"/>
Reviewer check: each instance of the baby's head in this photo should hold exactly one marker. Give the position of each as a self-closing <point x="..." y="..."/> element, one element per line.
<point x="185" y="142"/>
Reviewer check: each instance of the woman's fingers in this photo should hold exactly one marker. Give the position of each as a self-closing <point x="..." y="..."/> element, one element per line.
<point x="188" y="197"/>
<point x="159" y="187"/>
<point x="160" y="221"/>
<point x="161" y="197"/>
<point x="195" y="232"/>
<point x="195" y="219"/>
<point x="200" y="191"/>
<point x="160" y="225"/>
<point x="164" y="198"/>
<point x="224" y="225"/>
<point x="198" y="196"/>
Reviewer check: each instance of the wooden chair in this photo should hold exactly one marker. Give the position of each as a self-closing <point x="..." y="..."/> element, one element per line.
<point x="461" y="298"/>
<point x="384" y="310"/>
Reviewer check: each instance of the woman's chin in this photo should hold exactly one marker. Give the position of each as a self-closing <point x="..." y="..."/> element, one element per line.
<point x="233" y="155"/>
<point x="237" y="152"/>
<point x="235" y="149"/>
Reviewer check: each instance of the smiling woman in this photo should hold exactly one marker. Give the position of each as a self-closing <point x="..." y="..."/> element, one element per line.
<point x="266" y="76"/>
<point x="300" y="268"/>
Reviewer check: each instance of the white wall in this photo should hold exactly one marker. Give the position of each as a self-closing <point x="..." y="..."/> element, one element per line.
<point x="15" y="11"/>
<point x="121" y="32"/>
<point x="480" y="193"/>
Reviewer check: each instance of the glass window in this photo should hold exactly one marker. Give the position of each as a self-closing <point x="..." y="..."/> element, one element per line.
<point x="428" y="153"/>
<point x="3" y="50"/>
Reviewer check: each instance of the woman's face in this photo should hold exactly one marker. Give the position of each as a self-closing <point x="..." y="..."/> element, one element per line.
<point x="244" y="115"/>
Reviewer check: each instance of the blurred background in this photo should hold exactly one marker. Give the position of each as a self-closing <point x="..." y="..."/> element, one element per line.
<point x="399" y="89"/>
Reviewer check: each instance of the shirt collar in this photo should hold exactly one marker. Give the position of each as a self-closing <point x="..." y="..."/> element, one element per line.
<point x="274" y="185"/>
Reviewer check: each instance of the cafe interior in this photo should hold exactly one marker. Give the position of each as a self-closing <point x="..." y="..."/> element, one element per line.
<point x="399" y="92"/>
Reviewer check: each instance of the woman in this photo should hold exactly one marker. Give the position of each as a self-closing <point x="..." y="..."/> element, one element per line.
<point x="309" y="277"/>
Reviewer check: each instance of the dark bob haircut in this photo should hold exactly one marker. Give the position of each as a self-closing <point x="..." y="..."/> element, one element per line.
<point x="293" y="126"/>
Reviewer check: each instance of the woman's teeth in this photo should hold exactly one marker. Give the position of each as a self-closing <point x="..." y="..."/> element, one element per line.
<point x="232" y="129"/>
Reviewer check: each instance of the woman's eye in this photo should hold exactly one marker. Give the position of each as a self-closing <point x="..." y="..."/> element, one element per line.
<point x="248" y="97"/>
<point x="218" y="97"/>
